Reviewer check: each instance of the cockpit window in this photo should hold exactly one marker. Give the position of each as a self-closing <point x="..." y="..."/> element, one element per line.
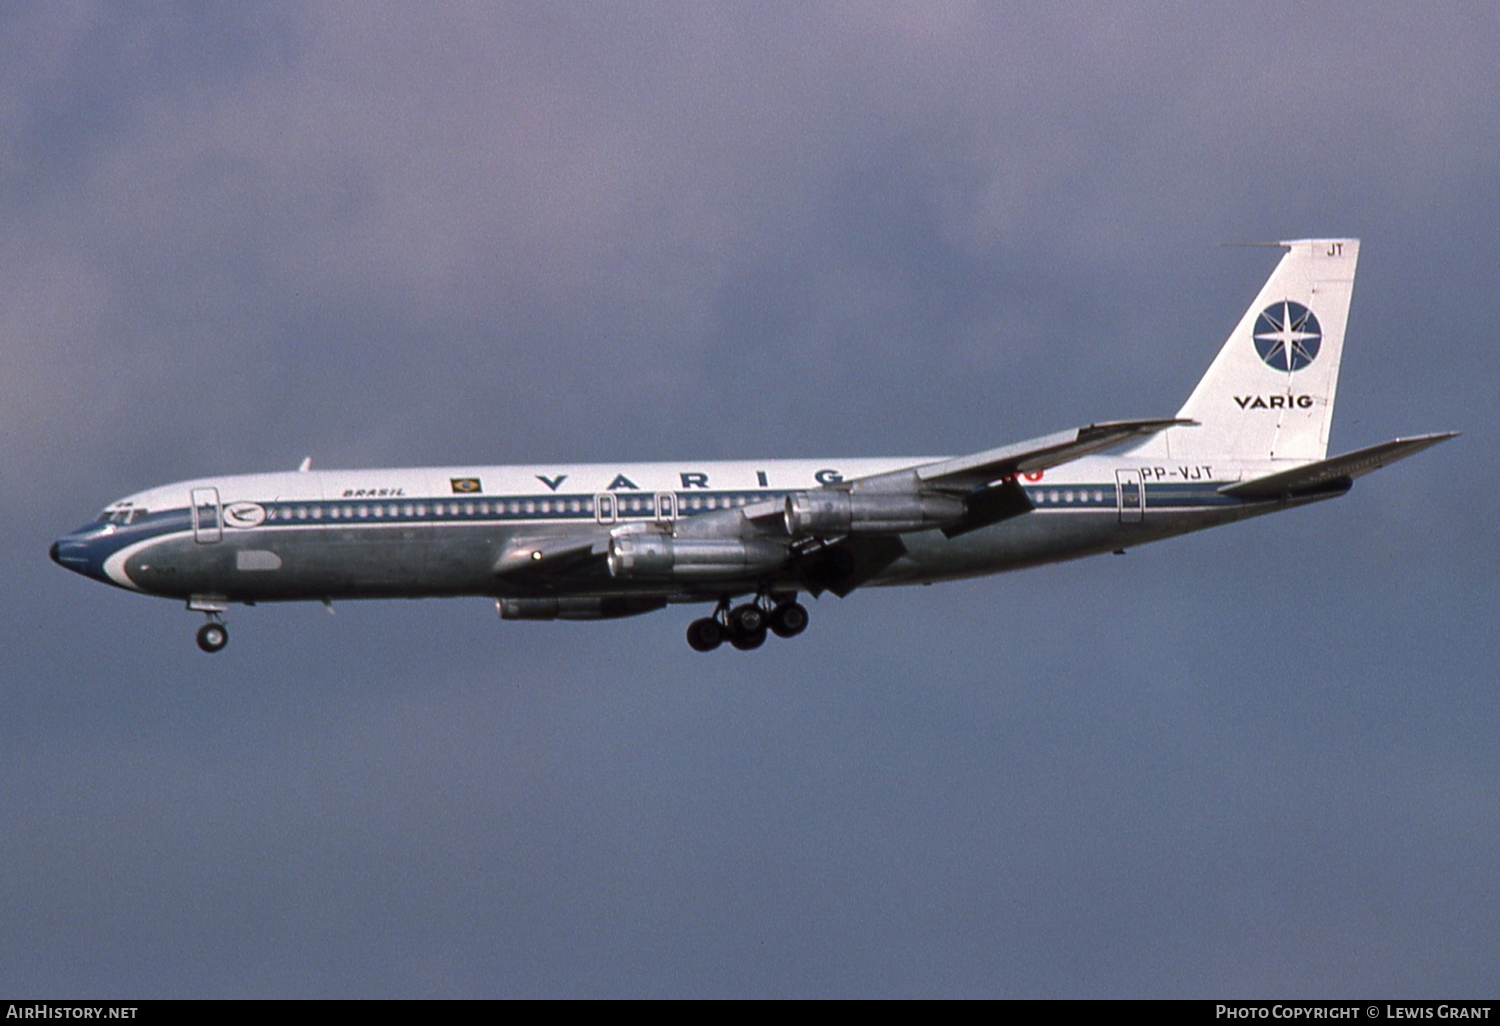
<point x="121" y="517"/>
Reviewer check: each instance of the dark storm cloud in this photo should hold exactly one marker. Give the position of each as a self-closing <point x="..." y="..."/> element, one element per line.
<point x="632" y="202"/>
<point x="1255" y="761"/>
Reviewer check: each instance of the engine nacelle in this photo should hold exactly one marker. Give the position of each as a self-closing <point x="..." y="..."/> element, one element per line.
<point x="839" y="512"/>
<point x="608" y="607"/>
<point x="660" y="557"/>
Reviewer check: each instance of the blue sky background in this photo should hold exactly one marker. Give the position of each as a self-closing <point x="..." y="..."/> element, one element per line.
<point x="1254" y="762"/>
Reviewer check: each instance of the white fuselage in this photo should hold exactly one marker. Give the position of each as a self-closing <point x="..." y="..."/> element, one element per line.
<point x="440" y="531"/>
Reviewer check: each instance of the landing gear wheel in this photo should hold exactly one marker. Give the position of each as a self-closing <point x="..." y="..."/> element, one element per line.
<point x="705" y="635"/>
<point x="747" y="620"/>
<point x="747" y="627"/>
<point x="746" y="642"/>
<point x="212" y="637"/>
<point x="789" y="619"/>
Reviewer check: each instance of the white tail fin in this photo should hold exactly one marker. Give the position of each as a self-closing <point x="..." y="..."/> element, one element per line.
<point x="1269" y="394"/>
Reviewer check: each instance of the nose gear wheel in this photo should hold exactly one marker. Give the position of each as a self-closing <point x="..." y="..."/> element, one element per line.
<point x="213" y="636"/>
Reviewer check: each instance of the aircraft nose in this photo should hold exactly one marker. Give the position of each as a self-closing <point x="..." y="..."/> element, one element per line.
<point x="73" y="553"/>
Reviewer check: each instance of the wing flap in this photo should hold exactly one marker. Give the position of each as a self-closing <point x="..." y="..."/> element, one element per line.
<point x="990" y="506"/>
<point x="849" y="563"/>
<point x="1350" y="465"/>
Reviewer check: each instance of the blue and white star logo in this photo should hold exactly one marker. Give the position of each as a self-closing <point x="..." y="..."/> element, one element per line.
<point x="1287" y="335"/>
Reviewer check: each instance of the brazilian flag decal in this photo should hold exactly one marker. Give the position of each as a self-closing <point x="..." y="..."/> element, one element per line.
<point x="466" y="485"/>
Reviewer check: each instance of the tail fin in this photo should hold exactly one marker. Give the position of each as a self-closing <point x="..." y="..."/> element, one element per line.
<point x="1269" y="394"/>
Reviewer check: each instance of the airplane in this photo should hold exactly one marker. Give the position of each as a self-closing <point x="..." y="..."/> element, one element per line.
<point x="599" y="541"/>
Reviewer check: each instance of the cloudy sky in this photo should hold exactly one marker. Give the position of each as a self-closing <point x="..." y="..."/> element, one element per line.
<point x="1257" y="761"/>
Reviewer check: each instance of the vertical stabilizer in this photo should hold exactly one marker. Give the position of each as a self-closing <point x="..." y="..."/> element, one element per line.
<point x="1269" y="393"/>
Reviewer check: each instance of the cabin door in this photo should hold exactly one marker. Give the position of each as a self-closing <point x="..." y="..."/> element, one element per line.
<point x="207" y="525"/>
<point x="1130" y="496"/>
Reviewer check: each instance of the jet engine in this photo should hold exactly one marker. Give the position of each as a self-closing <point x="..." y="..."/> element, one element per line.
<point x="661" y="557"/>
<point x="841" y="512"/>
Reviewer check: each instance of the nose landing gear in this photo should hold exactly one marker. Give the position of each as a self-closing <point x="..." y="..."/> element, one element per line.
<point x="213" y="635"/>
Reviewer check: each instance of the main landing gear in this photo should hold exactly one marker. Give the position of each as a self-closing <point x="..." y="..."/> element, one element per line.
<point x="745" y="626"/>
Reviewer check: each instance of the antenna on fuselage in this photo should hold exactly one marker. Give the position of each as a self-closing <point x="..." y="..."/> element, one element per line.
<point x="305" y="465"/>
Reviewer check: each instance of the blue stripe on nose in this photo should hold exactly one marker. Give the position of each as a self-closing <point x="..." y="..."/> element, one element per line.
<point x="80" y="556"/>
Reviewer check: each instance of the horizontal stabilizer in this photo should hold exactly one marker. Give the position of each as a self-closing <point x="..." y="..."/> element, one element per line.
<point x="979" y="469"/>
<point x="1324" y="472"/>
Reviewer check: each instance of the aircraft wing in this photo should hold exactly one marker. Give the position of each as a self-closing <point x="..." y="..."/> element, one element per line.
<point x="964" y="473"/>
<point x="956" y="495"/>
<point x="985" y="482"/>
<point x="1335" y="471"/>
